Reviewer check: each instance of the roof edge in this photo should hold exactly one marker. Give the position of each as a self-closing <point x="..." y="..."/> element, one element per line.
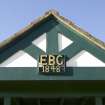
<point x="82" y="32"/>
<point x="64" y="20"/>
<point x="22" y="31"/>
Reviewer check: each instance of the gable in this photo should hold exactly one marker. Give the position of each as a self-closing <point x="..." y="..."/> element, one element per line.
<point x="34" y="44"/>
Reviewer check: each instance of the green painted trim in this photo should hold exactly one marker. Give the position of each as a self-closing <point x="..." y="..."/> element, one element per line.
<point x="52" y="42"/>
<point x="69" y="33"/>
<point x="71" y="50"/>
<point x="82" y="42"/>
<point x="31" y="73"/>
<point x="51" y="27"/>
<point x="34" y="51"/>
<point x="23" y="42"/>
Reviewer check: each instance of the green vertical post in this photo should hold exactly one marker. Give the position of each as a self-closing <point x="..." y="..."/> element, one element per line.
<point x="98" y="101"/>
<point x="7" y="100"/>
<point x="52" y="42"/>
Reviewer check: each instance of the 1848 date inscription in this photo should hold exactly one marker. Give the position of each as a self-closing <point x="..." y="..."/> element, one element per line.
<point x="51" y="64"/>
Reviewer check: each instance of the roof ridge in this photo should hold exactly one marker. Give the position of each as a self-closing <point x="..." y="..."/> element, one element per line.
<point x="52" y="11"/>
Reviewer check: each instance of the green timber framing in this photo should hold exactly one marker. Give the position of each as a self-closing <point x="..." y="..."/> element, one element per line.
<point x="26" y="82"/>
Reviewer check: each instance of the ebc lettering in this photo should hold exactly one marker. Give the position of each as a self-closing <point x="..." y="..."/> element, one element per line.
<point x="51" y="63"/>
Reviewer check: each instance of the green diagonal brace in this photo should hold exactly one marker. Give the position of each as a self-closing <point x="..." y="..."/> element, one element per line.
<point x="71" y="50"/>
<point x="34" y="51"/>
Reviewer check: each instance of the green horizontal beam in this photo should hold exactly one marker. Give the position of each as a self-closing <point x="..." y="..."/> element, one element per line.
<point x="31" y="73"/>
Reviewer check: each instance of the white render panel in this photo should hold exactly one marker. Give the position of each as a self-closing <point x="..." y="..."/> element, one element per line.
<point x="40" y="42"/>
<point x="63" y="41"/>
<point x="19" y="59"/>
<point x="85" y="59"/>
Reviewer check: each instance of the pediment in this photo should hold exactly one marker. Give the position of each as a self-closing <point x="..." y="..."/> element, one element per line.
<point x="52" y="34"/>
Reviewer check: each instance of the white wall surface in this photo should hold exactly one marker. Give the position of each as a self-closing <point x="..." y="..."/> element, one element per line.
<point x="19" y="59"/>
<point x="40" y="42"/>
<point x="63" y="41"/>
<point x="85" y="59"/>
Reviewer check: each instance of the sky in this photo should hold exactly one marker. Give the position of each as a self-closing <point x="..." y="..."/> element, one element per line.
<point x="87" y="14"/>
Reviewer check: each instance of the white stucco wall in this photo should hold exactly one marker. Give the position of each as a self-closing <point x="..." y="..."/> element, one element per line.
<point x="63" y="41"/>
<point x="40" y="42"/>
<point x="19" y="59"/>
<point x="85" y="59"/>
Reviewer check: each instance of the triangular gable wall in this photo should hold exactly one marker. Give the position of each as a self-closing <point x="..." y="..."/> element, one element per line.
<point x="52" y="27"/>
